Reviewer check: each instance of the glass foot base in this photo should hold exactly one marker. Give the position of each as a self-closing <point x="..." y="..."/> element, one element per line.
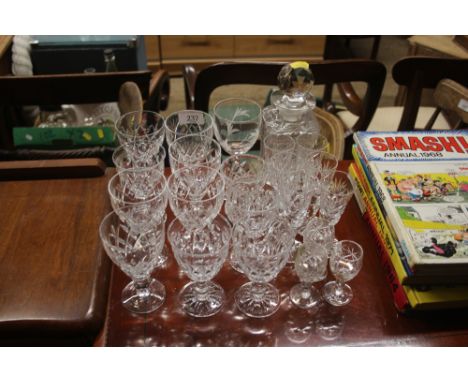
<point x="305" y="296"/>
<point x="335" y="295"/>
<point x="145" y="300"/>
<point x="202" y="299"/>
<point x="257" y="299"/>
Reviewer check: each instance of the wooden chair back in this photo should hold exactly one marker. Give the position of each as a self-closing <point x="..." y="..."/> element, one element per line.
<point x="419" y="73"/>
<point x="451" y="97"/>
<point x="198" y="87"/>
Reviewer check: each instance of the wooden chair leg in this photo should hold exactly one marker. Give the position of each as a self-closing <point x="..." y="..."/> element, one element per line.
<point x="375" y="47"/>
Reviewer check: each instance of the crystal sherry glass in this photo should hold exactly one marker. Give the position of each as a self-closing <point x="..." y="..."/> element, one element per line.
<point x="335" y="196"/>
<point x="345" y="264"/>
<point x="310" y="265"/>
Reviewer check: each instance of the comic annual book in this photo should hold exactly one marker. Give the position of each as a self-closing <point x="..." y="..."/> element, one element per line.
<point x="421" y="182"/>
<point x="405" y="297"/>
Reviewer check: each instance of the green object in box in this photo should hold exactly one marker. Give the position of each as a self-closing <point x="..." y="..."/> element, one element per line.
<point x="63" y="137"/>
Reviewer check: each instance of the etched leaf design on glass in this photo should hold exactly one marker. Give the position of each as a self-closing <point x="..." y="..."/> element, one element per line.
<point x="238" y="113"/>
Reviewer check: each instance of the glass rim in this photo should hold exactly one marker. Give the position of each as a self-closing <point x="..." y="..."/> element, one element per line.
<point x="178" y="140"/>
<point x="111" y="192"/>
<point x="329" y="157"/>
<point x="246" y="100"/>
<point x="346" y="175"/>
<point x="318" y="134"/>
<point x="123" y="116"/>
<point x="175" y="174"/>
<point x="176" y="113"/>
<point x="172" y="130"/>
<point x="320" y="247"/>
<point x="219" y="216"/>
<point x="108" y="216"/>
<point x="354" y="244"/>
<point x="119" y="149"/>
<point x="253" y="181"/>
<point x="250" y="156"/>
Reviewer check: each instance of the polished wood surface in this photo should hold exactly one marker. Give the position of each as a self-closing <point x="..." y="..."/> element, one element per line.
<point x="172" y="52"/>
<point x="54" y="274"/>
<point x="279" y="46"/>
<point x="52" y="169"/>
<point x="369" y="320"/>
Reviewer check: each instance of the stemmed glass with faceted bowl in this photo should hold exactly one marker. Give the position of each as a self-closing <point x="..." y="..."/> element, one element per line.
<point x="310" y="265"/>
<point x="188" y="122"/>
<point x="237" y="124"/>
<point x="194" y="150"/>
<point x="345" y="264"/>
<point x="139" y="197"/>
<point x="242" y="167"/>
<point x="140" y="133"/>
<point x="334" y="196"/>
<point x="122" y="161"/>
<point x="262" y="255"/>
<point x="136" y="254"/>
<point x="252" y="202"/>
<point x="196" y="195"/>
<point x="200" y="254"/>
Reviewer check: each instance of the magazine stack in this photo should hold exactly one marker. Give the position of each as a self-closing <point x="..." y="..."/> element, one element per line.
<point x="412" y="189"/>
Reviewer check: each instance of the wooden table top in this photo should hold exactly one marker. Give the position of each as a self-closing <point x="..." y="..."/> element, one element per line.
<point x="370" y="319"/>
<point x="54" y="274"/>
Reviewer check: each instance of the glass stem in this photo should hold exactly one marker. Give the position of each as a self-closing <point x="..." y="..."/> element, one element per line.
<point x="141" y="287"/>
<point x="201" y="290"/>
<point x="333" y="234"/>
<point x="339" y="289"/>
<point x="258" y="290"/>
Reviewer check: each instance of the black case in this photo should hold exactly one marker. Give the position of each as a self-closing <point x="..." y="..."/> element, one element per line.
<point x="75" y="54"/>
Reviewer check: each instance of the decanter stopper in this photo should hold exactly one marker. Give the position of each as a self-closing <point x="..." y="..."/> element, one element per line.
<point x="295" y="77"/>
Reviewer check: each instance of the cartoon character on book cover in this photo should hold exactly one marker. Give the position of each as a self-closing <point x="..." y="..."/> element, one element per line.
<point x="441" y="183"/>
<point x="438" y="231"/>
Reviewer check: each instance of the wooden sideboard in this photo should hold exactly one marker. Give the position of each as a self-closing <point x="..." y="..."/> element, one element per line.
<point x="171" y="52"/>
